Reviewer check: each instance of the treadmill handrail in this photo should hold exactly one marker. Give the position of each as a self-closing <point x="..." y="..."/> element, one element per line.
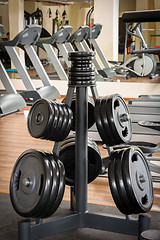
<point x="61" y="36"/>
<point x="79" y="35"/>
<point x="28" y="36"/>
<point x="95" y="31"/>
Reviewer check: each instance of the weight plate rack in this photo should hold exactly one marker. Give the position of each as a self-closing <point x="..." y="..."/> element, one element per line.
<point x="81" y="76"/>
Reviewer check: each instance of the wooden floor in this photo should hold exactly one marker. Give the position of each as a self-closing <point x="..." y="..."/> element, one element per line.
<point x="14" y="139"/>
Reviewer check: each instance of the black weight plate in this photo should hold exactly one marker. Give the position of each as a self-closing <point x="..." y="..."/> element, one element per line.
<point x="50" y="133"/>
<point x="95" y="162"/>
<point x="83" y="73"/>
<point x="39" y="118"/>
<point x="46" y="195"/>
<point x="91" y="118"/>
<point x="81" y="83"/>
<point x="55" y="187"/>
<point x="137" y="179"/>
<point x="61" y="188"/>
<point x="81" y="54"/>
<point x="98" y="120"/>
<point x="70" y="138"/>
<point x="116" y="107"/>
<point x="29" y="185"/>
<point x="112" y="183"/>
<point x="67" y="156"/>
<point x="82" y="68"/>
<point x="68" y="118"/>
<point x="81" y="78"/>
<point x="81" y="59"/>
<point x="110" y="140"/>
<point x="59" y="123"/>
<point x="61" y="135"/>
<point x="127" y="180"/>
<point x="69" y="123"/>
<point x="129" y="208"/>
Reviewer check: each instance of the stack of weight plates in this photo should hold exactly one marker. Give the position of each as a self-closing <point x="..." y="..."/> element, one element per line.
<point x="130" y="181"/>
<point x="81" y="71"/>
<point x="113" y="120"/>
<point x="37" y="184"/>
<point x="49" y="120"/>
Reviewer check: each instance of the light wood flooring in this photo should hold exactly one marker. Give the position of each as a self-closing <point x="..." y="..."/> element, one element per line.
<point x="14" y="139"/>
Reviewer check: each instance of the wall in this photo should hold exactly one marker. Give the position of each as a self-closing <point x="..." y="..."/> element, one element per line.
<point x="16" y="15"/>
<point x="4" y="14"/>
<point x="78" y="14"/>
<point x="126" y="5"/>
<point x="106" y="13"/>
<point x="147" y="5"/>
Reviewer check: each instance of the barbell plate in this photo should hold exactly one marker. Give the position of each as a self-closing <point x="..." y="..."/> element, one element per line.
<point x="99" y="121"/>
<point x="50" y="133"/>
<point x="30" y="183"/>
<point x="69" y="138"/>
<point x="40" y="118"/>
<point x="112" y="183"/>
<point x="59" y="122"/>
<point x="64" y="114"/>
<point x="82" y="68"/>
<point x="61" y="188"/>
<point x="109" y="139"/>
<point x="91" y="118"/>
<point x="80" y="74"/>
<point x="137" y="179"/>
<point x="67" y="156"/>
<point x="129" y="208"/>
<point x="72" y="138"/>
<point x="46" y="212"/>
<point x="119" y="118"/>
<point x="70" y="122"/>
<point x="66" y="125"/>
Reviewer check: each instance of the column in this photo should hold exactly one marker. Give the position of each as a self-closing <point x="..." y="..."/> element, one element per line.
<point x="16" y="22"/>
<point x="107" y="13"/>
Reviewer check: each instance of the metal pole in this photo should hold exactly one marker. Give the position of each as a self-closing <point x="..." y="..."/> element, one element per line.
<point x="81" y="150"/>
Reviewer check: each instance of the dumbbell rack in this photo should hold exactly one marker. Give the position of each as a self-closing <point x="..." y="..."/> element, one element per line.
<point x="80" y="217"/>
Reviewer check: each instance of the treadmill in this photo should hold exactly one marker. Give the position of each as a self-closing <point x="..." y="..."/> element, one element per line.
<point x="10" y="101"/>
<point x="61" y="37"/>
<point x="26" y="40"/>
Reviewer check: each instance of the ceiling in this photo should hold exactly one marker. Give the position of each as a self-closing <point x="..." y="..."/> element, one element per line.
<point x="5" y="2"/>
<point x="62" y="1"/>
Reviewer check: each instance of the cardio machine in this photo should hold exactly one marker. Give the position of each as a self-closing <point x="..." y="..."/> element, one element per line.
<point x="25" y="40"/>
<point x="145" y="110"/>
<point x="143" y="64"/>
<point x="61" y="37"/>
<point x="10" y="101"/>
<point x="77" y="42"/>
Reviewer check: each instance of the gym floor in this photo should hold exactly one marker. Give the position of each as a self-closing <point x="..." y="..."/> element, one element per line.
<point x="14" y="139"/>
